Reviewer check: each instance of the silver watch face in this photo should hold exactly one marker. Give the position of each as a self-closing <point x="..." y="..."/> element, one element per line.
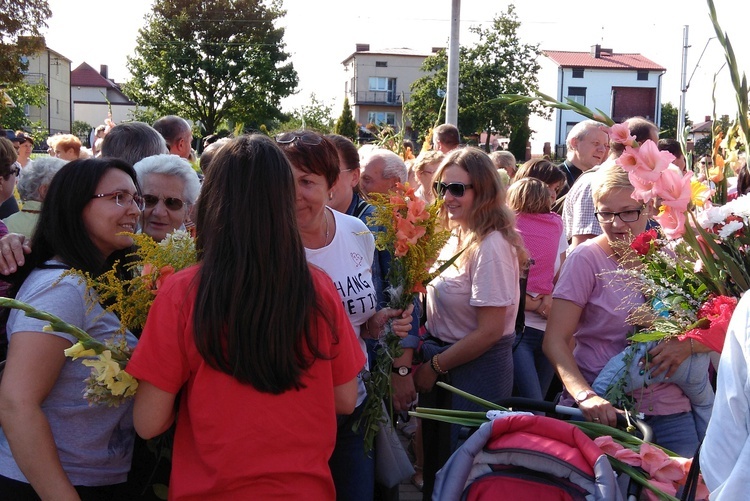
<point x="403" y="371"/>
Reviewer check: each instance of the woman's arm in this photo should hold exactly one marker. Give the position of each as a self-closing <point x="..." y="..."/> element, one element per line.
<point x="153" y="412"/>
<point x="561" y="325"/>
<point x="345" y="397"/>
<point x="35" y="360"/>
<point x="491" y="320"/>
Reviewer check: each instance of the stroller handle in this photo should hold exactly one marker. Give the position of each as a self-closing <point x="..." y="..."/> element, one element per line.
<point x="528" y="404"/>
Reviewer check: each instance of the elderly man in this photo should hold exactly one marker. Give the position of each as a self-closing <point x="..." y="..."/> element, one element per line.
<point x="177" y="133"/>
<point x="588" y="146"/>
<point x="381" y="170"/>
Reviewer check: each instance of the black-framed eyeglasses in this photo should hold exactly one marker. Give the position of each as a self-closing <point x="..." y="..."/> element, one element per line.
<point x="456" y="189"/>
<point x="306" y="138"/>
<point x="123" y="198"/>
<point x="626" y="216"/>
<point x="170" y="203"/>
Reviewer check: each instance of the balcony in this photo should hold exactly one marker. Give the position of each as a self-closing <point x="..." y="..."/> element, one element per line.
<point x="380" y="98"/>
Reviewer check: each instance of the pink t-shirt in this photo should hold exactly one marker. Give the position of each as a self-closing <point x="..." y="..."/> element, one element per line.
<point x="538" y="232"/>
<point x="489" y="277"/>
<point x="587" y="279"/>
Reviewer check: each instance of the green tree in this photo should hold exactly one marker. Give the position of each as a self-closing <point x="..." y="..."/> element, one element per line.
<point x="22" y="93"/>
<point x="212" y="61"/>
<point x="21" y="24"/>
<point x="82" y="130"/>
<point x="499" y="63"/>
<point x="346" y="125"/>
<point x="669" y="119"/>
<point x="316" y="116"/>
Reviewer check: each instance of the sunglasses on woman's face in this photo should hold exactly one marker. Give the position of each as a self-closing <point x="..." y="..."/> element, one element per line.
<point x="306" y="138"/>
<point x="455" y="189"/>
<point x="170" y="203"/>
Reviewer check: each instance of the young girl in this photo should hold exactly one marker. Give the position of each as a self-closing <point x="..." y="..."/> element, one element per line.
<point x="539" y="227"/>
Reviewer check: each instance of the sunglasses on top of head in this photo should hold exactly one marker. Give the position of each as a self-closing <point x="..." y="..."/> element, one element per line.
<point x="170" y="203"/>
<point x="456" y="189"/>
<point x="306" y="138"/>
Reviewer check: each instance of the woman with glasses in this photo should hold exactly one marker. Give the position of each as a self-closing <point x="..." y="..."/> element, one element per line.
<point x="344" y="248"/>
<point x="170" y="188"/>
<point x="471" y="307"/>
<point x="588" y="326"/>
<point x="53" y="444"/>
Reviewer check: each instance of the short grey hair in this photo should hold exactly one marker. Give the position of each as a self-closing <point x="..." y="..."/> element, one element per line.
<point x="132" y="142"/>
<point x="503" y="159"/>
<point x="170" y="165"/>
<point x="581" y="129"/>
<point x="37" y="174"/>
<point x="394" y="166"/>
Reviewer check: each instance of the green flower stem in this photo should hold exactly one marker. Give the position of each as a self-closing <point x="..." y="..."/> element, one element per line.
<point x="472" y="398"/>
<point x="59" y="325"/>
<point x="450" y="412"/>
<point x="473" y="423"/>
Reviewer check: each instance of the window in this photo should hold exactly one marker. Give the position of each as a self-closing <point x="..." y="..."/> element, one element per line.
<point x="577" y="94"/>
<point x="381" y="64"/>
<point x="24" y="64"/>
<point x="577" y="72"/>
<point x="379" y="83"/>
<point x="381" y="117"/>
<point x="642" y="75"/>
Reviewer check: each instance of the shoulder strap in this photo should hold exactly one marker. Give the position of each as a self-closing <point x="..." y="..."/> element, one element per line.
<point x="46" y="266"/>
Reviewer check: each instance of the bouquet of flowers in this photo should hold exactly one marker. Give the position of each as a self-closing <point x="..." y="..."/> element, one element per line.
<point x="130" y="299"/>
<point x="411" y="234"/>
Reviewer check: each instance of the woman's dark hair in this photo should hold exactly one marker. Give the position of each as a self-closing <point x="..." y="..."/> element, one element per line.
<point x="541" y="169"/>
<point x="321" y="158"/>
<point x="346" y="149"/>
<point x="61" y="230"/>
<point x="255" y="295"/>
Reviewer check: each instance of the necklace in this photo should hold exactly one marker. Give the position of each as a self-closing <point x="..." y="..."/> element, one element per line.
<point x="325" y="216"/>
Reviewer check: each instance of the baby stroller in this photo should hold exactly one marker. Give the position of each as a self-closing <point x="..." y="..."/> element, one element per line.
<point x="523" y="456"/>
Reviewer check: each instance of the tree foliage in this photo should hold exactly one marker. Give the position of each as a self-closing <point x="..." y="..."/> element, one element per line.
<point x="23" y="93"/>
<point x="212" y="61"/>
<point x="669" y="119"/>
<point x="316" y="116"/>
<point x="346" y="125"/>
<point x="21" y="23"/>
<point x="499" y="63"/>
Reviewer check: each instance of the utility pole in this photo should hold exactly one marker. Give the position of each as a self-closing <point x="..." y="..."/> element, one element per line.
<point x="683" y="84"/>
<point x="451" y="112"/>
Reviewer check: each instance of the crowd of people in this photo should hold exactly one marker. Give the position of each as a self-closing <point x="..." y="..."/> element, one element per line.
<point x="256" y="357"/>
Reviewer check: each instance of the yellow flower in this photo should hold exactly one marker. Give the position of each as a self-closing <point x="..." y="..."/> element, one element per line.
<point x="126" y="385"/>
<point x="106" y="369"/>
<point x="699" y="193"/>
<point x="77" y="351"/>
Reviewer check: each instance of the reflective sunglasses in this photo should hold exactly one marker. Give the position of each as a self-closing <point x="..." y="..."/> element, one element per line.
<point x="306" y="138"/>
<point x="170" y="203"/>
<point x="626" y="216"/>
<point x="123" y="199"/>
<point x="455" y="189"/>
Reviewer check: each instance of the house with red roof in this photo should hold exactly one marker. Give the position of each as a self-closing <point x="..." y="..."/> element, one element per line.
<point x="93" y="94"/>
<point x="622" y="85"/>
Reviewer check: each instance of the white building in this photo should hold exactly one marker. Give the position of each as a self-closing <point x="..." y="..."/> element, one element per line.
<point x="621" y="85"/>
<point x="94" y="94"/>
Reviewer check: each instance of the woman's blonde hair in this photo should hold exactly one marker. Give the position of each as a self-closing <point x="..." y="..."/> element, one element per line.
<point x="426" y="158"/>
<point x="488" y="213"/>
<point x="529" y="195"/>
<point x="609" y="177"/>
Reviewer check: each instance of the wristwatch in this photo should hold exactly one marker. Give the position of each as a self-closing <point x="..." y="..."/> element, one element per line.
<point x="402" y="371"/>
<point x="584" y="395"/>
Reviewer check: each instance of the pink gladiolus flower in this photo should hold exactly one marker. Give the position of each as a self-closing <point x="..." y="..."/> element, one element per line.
<point x="408" y="232"/>
<point x="672" y="222"/>
<point x="608" y="445"/>
<point x="629" y="456"/>
<point x="658" y="464"/>
<point x="649" y="161"/>
<point x="667" y="487"/>
<point x="620" y="133"/>
<point x="642" y="190"/>
<point x="674" y="188"/>
<point x="415" y="211"/>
